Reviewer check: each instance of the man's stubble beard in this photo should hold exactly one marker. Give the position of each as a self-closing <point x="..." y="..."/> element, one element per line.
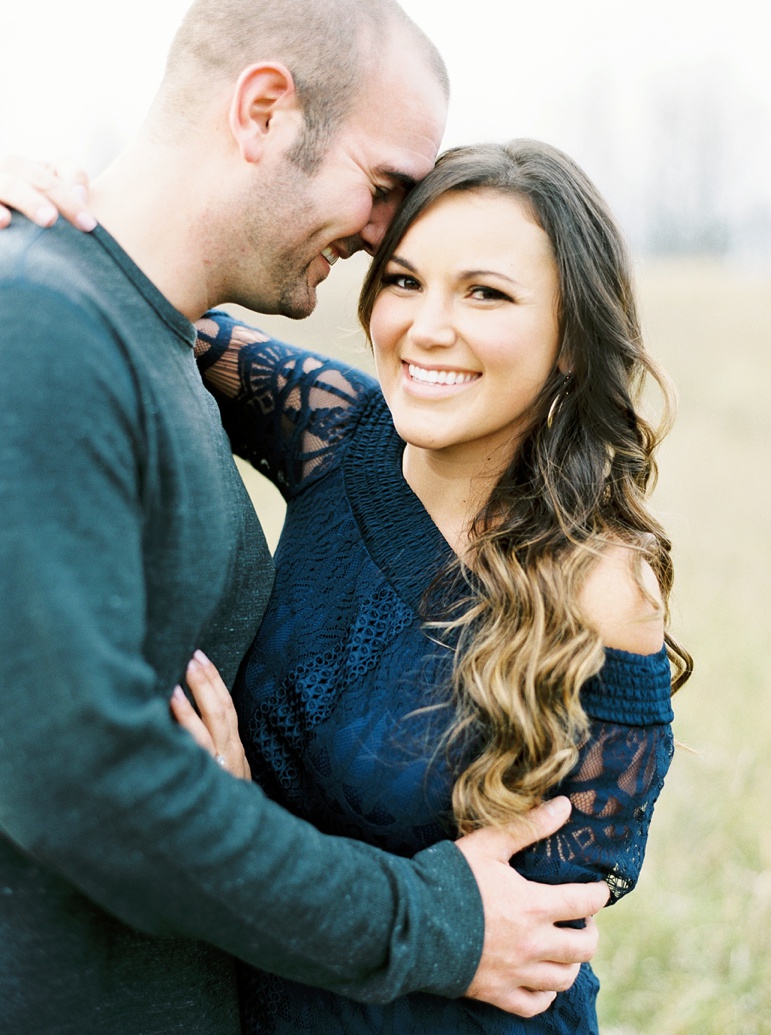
<point x="285" y="287"/>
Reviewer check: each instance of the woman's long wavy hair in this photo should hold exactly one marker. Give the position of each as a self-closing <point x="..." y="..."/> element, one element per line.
<point x="577" y="481"/>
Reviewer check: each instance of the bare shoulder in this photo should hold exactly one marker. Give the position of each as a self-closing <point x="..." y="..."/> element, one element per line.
<point x="621" y="599"/>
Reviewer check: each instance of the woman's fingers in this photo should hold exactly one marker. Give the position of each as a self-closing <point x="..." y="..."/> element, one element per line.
<point x="212" y="698"/>
<point x="188" y="719"/>
<point x="41" y="191"/>
<point x="216" y="716"/>
<point x="71" y="173"/>
<point x="19" y="193"/>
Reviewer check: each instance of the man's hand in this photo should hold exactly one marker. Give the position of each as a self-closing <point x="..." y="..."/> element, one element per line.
<point x="526" y="959"/>
<point x="41" y="191"/>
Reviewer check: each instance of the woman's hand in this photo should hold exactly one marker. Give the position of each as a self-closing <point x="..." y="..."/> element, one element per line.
<point x="215" y="726"/>
<point x="42" y="190"/>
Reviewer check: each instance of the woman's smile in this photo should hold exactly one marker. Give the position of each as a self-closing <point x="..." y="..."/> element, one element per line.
<point x="438" y="377"/>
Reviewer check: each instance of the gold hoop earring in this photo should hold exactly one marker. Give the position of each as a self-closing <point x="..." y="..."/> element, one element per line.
<point x="558" y="399"/>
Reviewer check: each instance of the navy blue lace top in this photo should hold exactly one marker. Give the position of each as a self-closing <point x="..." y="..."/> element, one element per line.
<point x="330" y="695"/>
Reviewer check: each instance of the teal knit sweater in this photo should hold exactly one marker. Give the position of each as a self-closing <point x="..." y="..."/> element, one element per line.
<point x="131" y="865"/>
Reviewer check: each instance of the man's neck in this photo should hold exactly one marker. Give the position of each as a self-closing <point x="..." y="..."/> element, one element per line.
<point x="148" y="202"/>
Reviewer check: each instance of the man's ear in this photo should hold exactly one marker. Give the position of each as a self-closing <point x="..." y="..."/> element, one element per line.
<point x="265" y="111"/>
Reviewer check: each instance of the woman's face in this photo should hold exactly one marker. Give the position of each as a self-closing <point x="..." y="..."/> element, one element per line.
<point x="465" y="329"/>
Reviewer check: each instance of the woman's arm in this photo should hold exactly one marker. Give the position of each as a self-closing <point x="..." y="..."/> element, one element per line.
<point x="621" y="767"/>
<point x="285" y="410"/>
<point x="613" y="791"/>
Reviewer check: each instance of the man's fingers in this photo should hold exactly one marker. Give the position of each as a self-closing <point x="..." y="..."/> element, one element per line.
<point x="577" y="901"/>
<point x="563" y="947"/>
<point x="548" y="977"/>
<point x="540" y="823"/>
<point x="523" y="831"/>
<point x="530" y="1004"/>
<point x="523" y="1002"/>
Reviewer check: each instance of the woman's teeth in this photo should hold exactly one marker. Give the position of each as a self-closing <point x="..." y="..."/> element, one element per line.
<point x="439" y="377"/>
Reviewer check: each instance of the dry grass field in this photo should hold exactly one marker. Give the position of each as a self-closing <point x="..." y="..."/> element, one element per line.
<point x="689" y="953"/>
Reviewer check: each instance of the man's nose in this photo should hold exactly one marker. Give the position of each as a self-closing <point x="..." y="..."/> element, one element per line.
<point x="383" y="211"/>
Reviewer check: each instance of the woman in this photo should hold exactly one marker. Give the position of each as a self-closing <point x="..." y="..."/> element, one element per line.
<point x="471" y="596"/>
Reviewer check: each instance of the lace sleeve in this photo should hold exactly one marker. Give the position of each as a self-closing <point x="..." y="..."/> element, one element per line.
<point x="613" y="791"/>
<point x="285" y="410"/>
<point x="617" y="781"/>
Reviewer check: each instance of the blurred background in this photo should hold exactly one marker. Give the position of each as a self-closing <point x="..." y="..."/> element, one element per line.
<point x="667" y="105"/>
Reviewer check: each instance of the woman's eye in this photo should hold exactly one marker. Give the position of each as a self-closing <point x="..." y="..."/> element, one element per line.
<point x="400" y="280"/>
<point x="488" y="294"/>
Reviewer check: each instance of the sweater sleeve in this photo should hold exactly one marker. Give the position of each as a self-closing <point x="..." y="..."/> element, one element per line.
<point x="617" y="780"/>
<point x="286" y="410"/>
<point x="97" y="783"/>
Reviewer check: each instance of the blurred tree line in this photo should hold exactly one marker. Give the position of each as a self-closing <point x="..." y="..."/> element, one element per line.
<point x="684" y="158"/>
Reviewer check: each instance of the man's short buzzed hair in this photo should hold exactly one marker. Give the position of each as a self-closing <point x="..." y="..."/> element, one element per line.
<point x="329" y="46"/>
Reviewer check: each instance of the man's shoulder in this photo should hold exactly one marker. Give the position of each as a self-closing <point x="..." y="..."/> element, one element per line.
<point x="56" y="263"/>
<point x="55" y="274"/>
<point x="63" y="292"/>
<point x="59" y="344"/>
<point x="61" y="277"/>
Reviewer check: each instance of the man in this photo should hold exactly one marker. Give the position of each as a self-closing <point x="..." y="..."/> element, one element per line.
<point x="132" y="866"/>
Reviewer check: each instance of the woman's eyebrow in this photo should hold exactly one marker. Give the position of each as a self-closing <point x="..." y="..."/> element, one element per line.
<point x="470" y="274"/>
<point x="403" y="262"/>
<point x="463" y="274"/>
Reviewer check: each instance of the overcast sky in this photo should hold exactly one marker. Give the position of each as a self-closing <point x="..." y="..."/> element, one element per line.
<point x="596" y="77"/>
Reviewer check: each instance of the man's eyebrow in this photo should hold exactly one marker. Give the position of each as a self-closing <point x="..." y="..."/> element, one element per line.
<point x="396" y="176"/>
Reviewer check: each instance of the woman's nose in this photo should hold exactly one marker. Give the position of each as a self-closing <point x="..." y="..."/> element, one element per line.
<point x="432" y="325"/>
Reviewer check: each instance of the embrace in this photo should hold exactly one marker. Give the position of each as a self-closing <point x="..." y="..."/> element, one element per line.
<point x="459" y="655"/>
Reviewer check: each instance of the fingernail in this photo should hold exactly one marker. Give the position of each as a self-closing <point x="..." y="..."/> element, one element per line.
<point x="178" y="692"/>
<point x="46" y="215"/>
<point x="85" y="222"/>
<point x="201" y="658"/>
<point x="558" y="806"/>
